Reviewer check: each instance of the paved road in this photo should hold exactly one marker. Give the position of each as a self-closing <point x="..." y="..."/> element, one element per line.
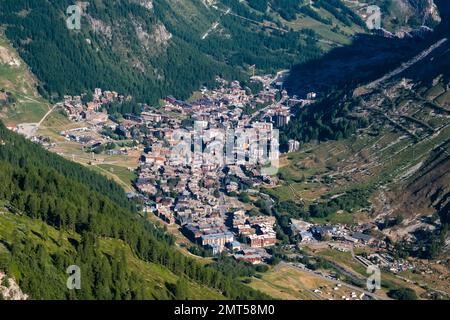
<point x="408" y="64"/>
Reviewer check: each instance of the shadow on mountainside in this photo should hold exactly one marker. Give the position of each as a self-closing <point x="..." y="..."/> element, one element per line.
<point x="366" y="59"/>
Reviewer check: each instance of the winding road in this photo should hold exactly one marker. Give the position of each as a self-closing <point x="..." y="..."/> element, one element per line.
<point x="30" y="129"/>
<point x="407" y="65"/>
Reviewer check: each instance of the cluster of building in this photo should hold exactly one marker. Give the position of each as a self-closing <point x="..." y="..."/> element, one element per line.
<point x="307" y="232"/>
<point x="196" y="154"/>
<point x="78" y="109"/>
<point x="211" y="235"/>
<point x="83" y="136"/>
<point x="225" y="103"/>
<point x="256" y="231"/>
<point x="185" y="181"/>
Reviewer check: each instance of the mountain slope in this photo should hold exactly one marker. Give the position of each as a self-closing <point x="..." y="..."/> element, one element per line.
<point x="428" y="189"/>
<point x="57" y="251"/>
<point x="150" y="49"/>
<point x="19" y="99"/>
<point x="370" y="56"/>
<point x="402" y="15"/>
<point x="382" y="140"/>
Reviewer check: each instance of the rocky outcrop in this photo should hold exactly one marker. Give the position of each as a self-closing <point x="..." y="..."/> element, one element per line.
<point x="404" y="16"/>
<point x="9" y="289"/>
<point x="147" y="4"/>
<point x="426" y="9"/>
<point x="8" y="58"/>
<point x="100" y="27"/>
<point x="158" y="36"/>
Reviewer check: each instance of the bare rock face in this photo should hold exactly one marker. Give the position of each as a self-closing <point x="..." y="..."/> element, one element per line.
<point x="157" y="37"/>
<point x="3" y="97"/>
<point x="9" y="289"/>
<point x="8" y="58"/>
<point x="160" y="34"/>
<point x="147" y="4"/>
<point x="100" y="26"/>
<point x="426" y="9"/>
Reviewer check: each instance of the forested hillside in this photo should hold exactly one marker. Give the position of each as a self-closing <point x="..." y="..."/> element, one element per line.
<point x="340" y="71"/>
<point x="64" y="214"/>
<point x="150" y="49"/>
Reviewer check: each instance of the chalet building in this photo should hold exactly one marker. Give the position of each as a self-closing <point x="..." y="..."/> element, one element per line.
<point x="261" y="241"/>
<point x="219" y="239"/>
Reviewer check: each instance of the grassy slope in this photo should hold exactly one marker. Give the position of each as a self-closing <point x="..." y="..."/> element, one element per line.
<point x="156" y="277"/>
<point x="324" y="31"/>
<point x="288" y="282"/>
<point x="30" y="107"/>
